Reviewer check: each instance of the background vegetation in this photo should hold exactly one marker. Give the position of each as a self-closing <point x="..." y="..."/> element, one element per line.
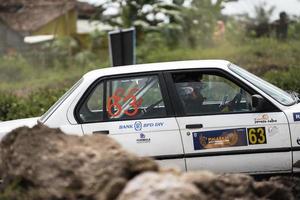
<point x="31" y="81"/>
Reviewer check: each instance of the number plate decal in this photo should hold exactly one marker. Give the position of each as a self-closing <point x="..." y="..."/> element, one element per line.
<point x="257" y="135"/>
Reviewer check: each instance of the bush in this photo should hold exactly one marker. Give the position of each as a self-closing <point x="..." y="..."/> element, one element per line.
<point x="35" y="104"/>
<point x="287" y="80"/>
<point x="13" y="68"/>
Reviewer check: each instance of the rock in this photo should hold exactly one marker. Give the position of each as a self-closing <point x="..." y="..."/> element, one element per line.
<point x="201" y="185"/>
<point x="228" y="186"/>
<point x="47" y="164"/>
<point x="43" y="163"/>
<point x="280" y="187"/>
<point x="164" y="186"/>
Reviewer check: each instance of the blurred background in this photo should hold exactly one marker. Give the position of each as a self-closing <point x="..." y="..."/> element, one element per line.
<point x="47" y="45"/>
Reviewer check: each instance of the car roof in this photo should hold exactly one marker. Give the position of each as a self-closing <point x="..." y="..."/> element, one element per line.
<point x="163" y="66"/>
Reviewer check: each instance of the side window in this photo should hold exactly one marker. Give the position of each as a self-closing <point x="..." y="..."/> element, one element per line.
<point x="134" y="98"/>
<point x="202" y="93"/>
<point x="92" y="109"/>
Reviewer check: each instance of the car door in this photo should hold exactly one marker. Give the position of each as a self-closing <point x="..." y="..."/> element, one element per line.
<point x="221" y="131"/>
<point x="135" y="110"/>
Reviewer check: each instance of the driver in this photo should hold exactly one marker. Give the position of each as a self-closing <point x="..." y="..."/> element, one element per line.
<point x="189" y="88"/>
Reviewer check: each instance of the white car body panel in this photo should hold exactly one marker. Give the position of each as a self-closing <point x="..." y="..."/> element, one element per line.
<point x="156" y="137"/>
<point x="277" y="136"/>
<point x="172" y="138"/>
<point x="8" y="126"/>
<point x="295" y="134"/>
<point x="245" y="163"/>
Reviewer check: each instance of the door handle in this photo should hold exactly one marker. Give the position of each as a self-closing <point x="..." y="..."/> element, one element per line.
<point x="105" y="132"/>
<point x="193" y="126"/>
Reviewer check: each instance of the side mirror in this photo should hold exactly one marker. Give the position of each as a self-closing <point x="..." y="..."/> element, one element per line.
<point x="258" y="102"/>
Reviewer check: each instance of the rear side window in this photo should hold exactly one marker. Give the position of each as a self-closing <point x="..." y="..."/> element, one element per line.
<point x="124" y="98"/>
<point x="92" y="109"/>
<point x="134" y="98"/>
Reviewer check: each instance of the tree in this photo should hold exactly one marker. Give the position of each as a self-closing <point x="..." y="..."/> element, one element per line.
<point x="177" y="20"/>
<point x="142" y="13"/>
<point x="263" y="14"/>
<point x="199" y="20"/>
<point x="261" y="21"/>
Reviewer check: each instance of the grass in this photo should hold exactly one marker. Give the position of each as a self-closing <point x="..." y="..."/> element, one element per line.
<point x="31" y="84"/>
<point x="257" y="55"/>
<point x="22" y="75"/>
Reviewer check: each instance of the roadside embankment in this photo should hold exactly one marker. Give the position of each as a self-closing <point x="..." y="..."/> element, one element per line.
<point x="44" y="163"/>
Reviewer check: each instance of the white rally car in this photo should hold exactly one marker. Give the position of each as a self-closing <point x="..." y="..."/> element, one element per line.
<point x="208" y="114"/>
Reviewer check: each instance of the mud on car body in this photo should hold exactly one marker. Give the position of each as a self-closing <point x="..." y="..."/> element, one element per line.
<point x="207" y="114"/>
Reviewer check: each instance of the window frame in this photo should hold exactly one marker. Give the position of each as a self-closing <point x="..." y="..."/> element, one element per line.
<point x="178" y="106"/>
<point x="86" y="100"/>
<point x="164" y="92"/>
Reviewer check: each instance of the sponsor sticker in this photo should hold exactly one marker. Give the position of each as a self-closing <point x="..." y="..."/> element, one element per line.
<point x="138" y="126"/>
<point x="264" y="118"/>
<point x="125" y="126"/>
<point x="220" y="138"/>
<point x="143" y="139"/>
<point x="296" y="117"/>
<point x="257" y="135"/>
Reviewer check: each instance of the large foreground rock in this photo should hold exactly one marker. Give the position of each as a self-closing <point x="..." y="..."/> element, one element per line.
<point x="47" y="164"/>
<point x="205" y="186"/>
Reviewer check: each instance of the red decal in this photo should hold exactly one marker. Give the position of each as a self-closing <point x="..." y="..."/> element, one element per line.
<point x="113" y="102"/>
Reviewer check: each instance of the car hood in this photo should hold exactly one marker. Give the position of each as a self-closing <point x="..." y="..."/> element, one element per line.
<point x="8" y="126"/>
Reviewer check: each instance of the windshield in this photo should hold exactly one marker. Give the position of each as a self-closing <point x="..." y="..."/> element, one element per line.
<point x="276" y="93"/>
<point x="60" y="100"/>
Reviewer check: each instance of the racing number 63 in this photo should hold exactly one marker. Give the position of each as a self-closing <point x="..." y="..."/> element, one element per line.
<point x="257" y="135"/>
<point x="114" y="108"/>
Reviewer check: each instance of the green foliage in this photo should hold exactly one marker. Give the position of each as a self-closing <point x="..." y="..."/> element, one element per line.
<point x="13" y="68"/>
<point x="285" y="79"/>
<point x="141" y="13"/>
<point x="85" y="58"/>
<point x="32" y="81"/>
<point x="294" y="29"/>
<point x="259" y="25"/>
<point x="59" y="52"/>
<point x="235" y="32"/>
<point x="257" y="55"/>
<point x="192" y="21"/>
<point x="57" y="65"/>
<point x="145" y="51"/>
<point x="200" y="21"/>
<point x="35" y="104"/>
<point x="263" y="14"/>
<point x="197" y="23"/>
<point x="13" y="191"/>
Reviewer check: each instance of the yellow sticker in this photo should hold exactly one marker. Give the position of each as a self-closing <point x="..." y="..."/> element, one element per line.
<point x="257" y="135"/>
